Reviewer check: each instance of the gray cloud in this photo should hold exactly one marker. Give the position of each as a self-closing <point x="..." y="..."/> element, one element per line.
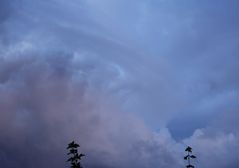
<point x="110" y="73"/>
<point x="44" y="105"/>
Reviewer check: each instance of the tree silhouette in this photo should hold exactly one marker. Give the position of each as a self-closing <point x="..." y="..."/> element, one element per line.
<point x="189" y="156"/>
<point x="74" y="156"/>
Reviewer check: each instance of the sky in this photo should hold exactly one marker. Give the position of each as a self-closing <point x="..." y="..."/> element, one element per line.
<point x="134" y="82"/>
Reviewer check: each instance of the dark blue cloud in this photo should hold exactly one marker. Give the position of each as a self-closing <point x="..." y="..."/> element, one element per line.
<point x="110" y="73"/>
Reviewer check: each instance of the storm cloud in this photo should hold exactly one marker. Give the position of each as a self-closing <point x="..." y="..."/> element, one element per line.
<point x="134" y="82"/>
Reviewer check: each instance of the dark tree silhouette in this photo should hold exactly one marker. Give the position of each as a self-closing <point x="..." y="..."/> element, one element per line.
<point x="74" y="156"/>
<point x="189" y="156"/>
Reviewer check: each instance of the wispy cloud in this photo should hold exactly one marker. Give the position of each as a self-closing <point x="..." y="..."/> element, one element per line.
<point x="133" y="82"/>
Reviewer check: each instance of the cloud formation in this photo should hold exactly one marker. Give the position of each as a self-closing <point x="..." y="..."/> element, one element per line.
<point x="132" y="82"/>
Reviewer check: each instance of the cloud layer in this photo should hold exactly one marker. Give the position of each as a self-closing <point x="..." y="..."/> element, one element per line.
<point x="132" y="82"/>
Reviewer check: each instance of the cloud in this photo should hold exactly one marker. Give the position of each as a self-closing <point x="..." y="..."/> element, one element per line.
<point x="110" y="73"/>
<point x="213" y="151"/>
<point x="46" y="103"/>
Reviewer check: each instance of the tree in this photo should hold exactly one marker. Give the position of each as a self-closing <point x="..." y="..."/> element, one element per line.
<point x="74" y="156"/>
<point x="189" y="156"/>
